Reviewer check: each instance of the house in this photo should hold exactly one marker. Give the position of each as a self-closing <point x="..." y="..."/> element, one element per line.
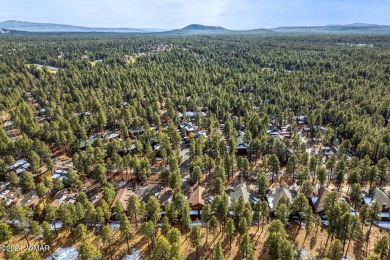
<point x="301" y="119"/>
<point x="198" y="134"/>
<point x="317" y="202"/>
<point x="275" y="195"/>
<point x="165" y="197"/>
<point x="63" y="196"/>
<point x="196" y="201"/>
<point x="379" y="196"/>
<point x="242" y="147"/>
<point x="286" y="131"/>
<point x="240" y="191"/>
<point x="93" y="138"/>
<point x="31" y="201"/>
<point x="122" y="196"/>
<point x="59" y="174"/>
<point x="383" y="199"/>
<point x="273" y="131"/>
<point x="188" y="126"/>
<point x="89" y="141"/>
<point x="326" y="150"/>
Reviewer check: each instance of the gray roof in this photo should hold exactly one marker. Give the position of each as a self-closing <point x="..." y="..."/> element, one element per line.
<point x="240" y="191"/>
<point x="274" y="197"/>
<point x="381" y="197"/>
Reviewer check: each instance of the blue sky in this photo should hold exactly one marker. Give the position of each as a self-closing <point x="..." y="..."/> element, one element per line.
<point x="170" y="14"/>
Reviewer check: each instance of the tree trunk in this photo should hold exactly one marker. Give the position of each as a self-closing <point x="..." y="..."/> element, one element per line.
<point x="109" y="244"/>
<point x="127" y="242"/>
<point x="55" y="229"/>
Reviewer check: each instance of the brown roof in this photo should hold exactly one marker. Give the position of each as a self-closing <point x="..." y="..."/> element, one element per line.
<point x="28" y="200"/>
<point x="122" y="196"/>
<point x="62" y="197"/>
<point x="319" y="204"/>
<point x="165" y="196"/>
<point x="196" y="196"/>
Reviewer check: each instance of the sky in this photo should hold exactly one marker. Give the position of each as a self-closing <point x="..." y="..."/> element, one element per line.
<point x="172" y="14"/>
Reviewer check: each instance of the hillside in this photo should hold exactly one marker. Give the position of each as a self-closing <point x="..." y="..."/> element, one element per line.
<point x="49" y="27"/>
<point x="200" y="29"/>
<point x="348" y="28"/>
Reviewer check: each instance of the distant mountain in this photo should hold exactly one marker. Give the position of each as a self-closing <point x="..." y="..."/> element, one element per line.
<point x="193" y="29"/>
<point x="200" y="29"/>
<point x="348" y="28"/>
<point x="48" y="27"/>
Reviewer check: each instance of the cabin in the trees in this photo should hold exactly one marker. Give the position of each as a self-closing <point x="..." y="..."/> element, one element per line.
<point x="274" y="195"/>
<point x="196" y="201"/>
<point x="122" y="196"/>
<point x="241" y="191"/>
<point x="31" y="201"/>
<point x="326" y="151"/>
<point x="188" y="127"/>
<point x="165" y="197"/>
<point x="242" y="147"/>
<point x="91" y="140"/>
<point x="273" y="131"/>
<point x="64" y="196"/>
<point x="379" y="196"/>
<point x="301" y="120"/>
<point x="59" y="173"/>
<point x="317" y="201"/>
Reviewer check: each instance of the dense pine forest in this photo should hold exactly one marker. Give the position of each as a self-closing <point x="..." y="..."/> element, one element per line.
<point x="195" y="147"/>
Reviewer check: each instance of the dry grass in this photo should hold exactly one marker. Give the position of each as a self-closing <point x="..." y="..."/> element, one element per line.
<point x="314" y="243"/>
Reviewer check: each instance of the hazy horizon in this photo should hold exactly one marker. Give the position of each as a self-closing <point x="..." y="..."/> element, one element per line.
<point x="173" y="14"/>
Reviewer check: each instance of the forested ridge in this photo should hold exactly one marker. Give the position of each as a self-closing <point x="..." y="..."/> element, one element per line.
<point x="138" y="89"/>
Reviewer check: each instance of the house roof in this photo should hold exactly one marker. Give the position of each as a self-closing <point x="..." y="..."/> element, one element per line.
<point x="196" y="196"/>
<point x="122" y="196"/>
<point x="240" y="140"/>
<point x="319" y="204"/>
<point x="165" y="196"/>
<point x="240" y="191"/>
<point x="381" y="197"/>
<point x="274" y="196"/>
<point x="63" y="196"/>
<point x="29" y="200"/>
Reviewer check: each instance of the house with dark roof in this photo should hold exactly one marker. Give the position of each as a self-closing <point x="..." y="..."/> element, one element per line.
<point x="317" y="201"/>
<point x="273" y="131"/>
<point x="242" y="147"/>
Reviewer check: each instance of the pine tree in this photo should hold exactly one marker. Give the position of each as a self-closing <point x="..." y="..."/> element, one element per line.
<point x="133" y="208"/>
<point x="107" y="236"/>
<point x="88" y="251"/>
<point x="162" y="249"/>
<point x="148" y="230"/>
<point x="195" y="238"/>
<point x="334" y="250"/>
<point x="5" y="232"/>
<point x="125" y="230"/>
<point x="218" y="253"/>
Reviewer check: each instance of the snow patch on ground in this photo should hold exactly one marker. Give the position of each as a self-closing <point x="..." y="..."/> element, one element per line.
<point x="68" y="253"/>
<point x="133" y="256"/>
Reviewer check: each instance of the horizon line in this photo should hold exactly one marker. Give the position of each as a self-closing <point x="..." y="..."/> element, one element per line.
<point x="242" y="29"/>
